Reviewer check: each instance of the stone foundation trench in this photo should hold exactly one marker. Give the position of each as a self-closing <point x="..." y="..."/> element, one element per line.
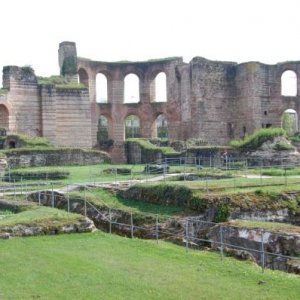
<point x="268" y="249"/>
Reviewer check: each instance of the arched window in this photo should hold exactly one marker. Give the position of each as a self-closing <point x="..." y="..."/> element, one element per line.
<point x="83" y="77"/>
<point x="131" y="89"/>
<point x="102" y="134"/>
<point x="160" y="82"/>
<point x="132" y="127"/>
<point x="3" y="117"/>
<point x="290" y="121"/>
<point x="289" y="83"/>
<point x="161" y="127"/>
<point x="101" y="88"/>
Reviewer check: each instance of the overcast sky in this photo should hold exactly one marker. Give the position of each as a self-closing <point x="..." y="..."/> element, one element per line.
<point x="110" y="30"/>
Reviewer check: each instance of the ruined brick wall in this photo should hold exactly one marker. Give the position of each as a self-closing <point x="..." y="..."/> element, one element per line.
<point x="22" y="100"/>
<point x="116" y="110"/>
<point x="61" y="115"/>
<point x="211" y="100"/>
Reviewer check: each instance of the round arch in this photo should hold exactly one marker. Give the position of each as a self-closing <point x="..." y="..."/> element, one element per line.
<point x="101" y="88"/>
<point x="290" y="121"/>
<point x="132" y="127"/>
<point x="160" y="127"/>
<point x="289" y="83"/>
<point x="131" y="88"/>
<point x="83" y="77"/>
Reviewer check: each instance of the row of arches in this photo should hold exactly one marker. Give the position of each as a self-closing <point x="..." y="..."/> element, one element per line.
<point x="158" y="87"/>
<point x="132" y="128"/>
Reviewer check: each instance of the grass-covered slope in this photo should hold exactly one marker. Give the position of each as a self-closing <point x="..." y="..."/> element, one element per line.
<point x="99" y="266"/>
<point x="45" y="217"/>
<point x="146" y="145"/>
<point x="255" y="140"/>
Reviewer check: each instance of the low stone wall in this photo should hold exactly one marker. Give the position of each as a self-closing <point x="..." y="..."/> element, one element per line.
<point x="53" y="157"/>
<point x="80" y="226"/>
<point x="274" y="243"/>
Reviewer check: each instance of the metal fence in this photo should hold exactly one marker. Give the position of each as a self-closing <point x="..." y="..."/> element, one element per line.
<point x="238" y="174"/>
<point x="186" y="231"/>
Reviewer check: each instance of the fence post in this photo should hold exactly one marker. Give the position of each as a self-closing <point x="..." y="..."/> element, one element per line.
<point x="109" y="220"/>
<point x="156" y="229"/>
<point x="131" y="221"/>
<point x="186" y="235"/>
<point x="85" y="201"/>
<point x="261" y="166"/>
<point x="39" y="195"/>
<point x="222" y="243"/>
<point x="285" y="177"/>
<point x="262" y="252"/>
<point x="206" y="181"/>
<point x="184" y="169"/>
<point x="52" y="195"/>
<point x="14" y="189"/>
<point x="21" y="186"/>
<point x="9" y="174"/>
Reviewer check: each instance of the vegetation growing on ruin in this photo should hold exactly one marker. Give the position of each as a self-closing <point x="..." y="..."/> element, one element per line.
<point x="146" y="145"/>
<point x="27" y="70"/>
<point x="3" y="91"/>
<point x="53" y="80"/>
<point x="60" y="82"/>
<point x="181" y="195"/>
<point x="71" y="86"/>
<point x="255" y="140"/>
<point x="271" y="226"/>
<point x="40" y="216"/>
<point x="105" y="198"/>
<point x="69" y="66"/>
<point x="281" y="146"/>
<point x="296" y="137"/>
<point x="27" y="141"/>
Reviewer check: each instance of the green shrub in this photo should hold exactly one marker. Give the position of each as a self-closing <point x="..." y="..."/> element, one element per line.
<point x="296" y="137"/>
<point x="281" y="146"/>
<point x="255" y="140"/>
<point x="165" y="194"/>
<point x="223" y="212"/>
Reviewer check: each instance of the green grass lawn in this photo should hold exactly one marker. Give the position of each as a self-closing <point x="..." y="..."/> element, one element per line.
<point x="91" y="173"/>
<point x="102" y="266"/>
<point x="237" y="184"/>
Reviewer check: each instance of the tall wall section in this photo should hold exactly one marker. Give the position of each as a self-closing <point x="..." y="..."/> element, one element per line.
<point x="147" y="110"/>
<point x="213" y="93"/>
<point x="22" y="100"/>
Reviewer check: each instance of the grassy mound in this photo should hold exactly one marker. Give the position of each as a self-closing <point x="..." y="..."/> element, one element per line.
<point x="146" y="145"/>
<point x="18" y="175"/>
<point x="40" y="216"/>
<point x="26" y="141"/>
<point x="255" y="140"/>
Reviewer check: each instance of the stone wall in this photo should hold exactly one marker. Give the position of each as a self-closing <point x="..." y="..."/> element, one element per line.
<point x="54" y="157"/>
